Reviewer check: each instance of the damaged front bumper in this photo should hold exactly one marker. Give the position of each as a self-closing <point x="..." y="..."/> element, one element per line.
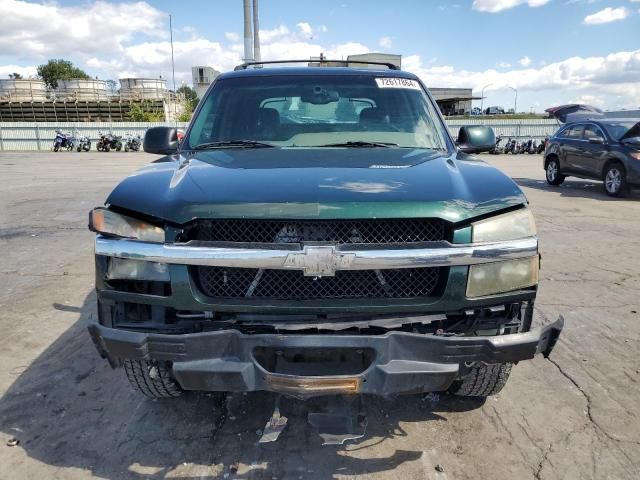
<point x="309" y="365"/>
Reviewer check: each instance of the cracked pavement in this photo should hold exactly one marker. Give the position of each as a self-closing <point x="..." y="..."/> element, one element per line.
<point x="573" y="416"/>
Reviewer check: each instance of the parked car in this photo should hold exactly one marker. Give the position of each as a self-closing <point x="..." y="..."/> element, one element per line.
<point x="494" y="111"/>
<point x="600" y="149"/>
<point x="317" y="232"/>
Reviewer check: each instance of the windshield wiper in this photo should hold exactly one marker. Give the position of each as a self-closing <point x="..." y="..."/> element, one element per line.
<point x="232" y="144"/>
<point x="361" y="144"/>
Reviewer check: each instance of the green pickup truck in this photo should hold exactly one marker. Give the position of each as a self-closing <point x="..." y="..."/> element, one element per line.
<point x="317" y="231"/>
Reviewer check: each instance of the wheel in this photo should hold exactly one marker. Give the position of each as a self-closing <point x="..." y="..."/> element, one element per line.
<point x="126" y="148"/>
<point x="106" y="148"/>
<point x="554" y="177"/>
<point x="56" y="148"/>
<point x="615" y="180"/>
<point x="79" y="148"/>
<point x="152" y="379"/>
<point x="87" y="147"/>
<point x="482" y="380"/>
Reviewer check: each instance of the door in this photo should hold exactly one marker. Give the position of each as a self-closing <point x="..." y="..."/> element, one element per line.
<point x="571" y="149"/>
<point x="593" y="151"/>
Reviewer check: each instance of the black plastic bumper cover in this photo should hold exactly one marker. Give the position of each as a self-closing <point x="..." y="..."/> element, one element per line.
<point x="404" y="362"/>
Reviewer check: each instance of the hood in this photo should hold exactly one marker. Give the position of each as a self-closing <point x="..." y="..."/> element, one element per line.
<point x="573" y="112"/>
<point x="316" y="183"/>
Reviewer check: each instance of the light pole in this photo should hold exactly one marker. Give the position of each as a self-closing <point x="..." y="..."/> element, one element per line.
<point x="515" y="103"/>
<point x="482" y="98"/>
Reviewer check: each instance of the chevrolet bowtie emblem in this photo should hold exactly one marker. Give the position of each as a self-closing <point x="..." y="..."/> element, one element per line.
<point x="319" y="260"/>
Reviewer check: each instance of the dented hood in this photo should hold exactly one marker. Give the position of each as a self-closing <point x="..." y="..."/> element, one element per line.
<point x="316" y="183"/>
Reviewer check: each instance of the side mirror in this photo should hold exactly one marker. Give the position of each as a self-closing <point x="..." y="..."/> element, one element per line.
<point x="596" y="140"/>
<point x="161" y="140"/>
<point x="476" y="139"/>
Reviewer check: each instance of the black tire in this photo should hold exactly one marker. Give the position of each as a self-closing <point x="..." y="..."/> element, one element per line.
<point x="482" y="380"/>
<point x="552" y="172"/>
<point x="56" y="148"/>
<point x="151" y="379"/>
<point x="615" y="180"/>
<point x="79" y="148"/>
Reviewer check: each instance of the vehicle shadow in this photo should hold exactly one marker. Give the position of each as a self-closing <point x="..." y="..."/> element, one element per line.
<point x="69" y="409"/>
<point x="575" y="188"/>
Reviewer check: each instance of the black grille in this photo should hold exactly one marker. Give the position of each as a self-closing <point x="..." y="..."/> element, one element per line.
<point x="293" y="285"/>
<point x="338" y="231"/>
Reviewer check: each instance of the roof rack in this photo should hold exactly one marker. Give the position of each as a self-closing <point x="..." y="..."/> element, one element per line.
<point x="389" y="65"/>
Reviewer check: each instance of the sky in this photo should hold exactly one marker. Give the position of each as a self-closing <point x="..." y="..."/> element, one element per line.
<point x="552" y="51"/>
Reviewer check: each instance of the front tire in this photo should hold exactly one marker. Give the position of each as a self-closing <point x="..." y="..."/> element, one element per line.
<point x="554" y="177"/>
<point x="615" y="180"/>
<point x="482" y="380"/>
<point x="152" y="379"/>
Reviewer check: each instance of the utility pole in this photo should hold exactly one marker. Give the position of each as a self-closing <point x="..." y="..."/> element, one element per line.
<point x="515" y="103"/>
<point x="482" y="98"/>
<point x="248" y="35"/>
<point x="256" y="33"/>
<point x="173" y="73"/>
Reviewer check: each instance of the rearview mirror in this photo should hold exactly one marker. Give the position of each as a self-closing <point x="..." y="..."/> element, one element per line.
<point x="476" y="139"/>
<point x="161" y="140"/>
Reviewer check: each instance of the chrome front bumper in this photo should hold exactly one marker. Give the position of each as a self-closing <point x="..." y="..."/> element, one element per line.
<point x="319" y="259"/>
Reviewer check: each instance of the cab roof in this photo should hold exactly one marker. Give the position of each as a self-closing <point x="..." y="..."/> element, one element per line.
<point x="317" y="71"/>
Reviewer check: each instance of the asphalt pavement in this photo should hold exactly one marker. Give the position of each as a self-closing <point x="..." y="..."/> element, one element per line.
<point x="574" y="416"/>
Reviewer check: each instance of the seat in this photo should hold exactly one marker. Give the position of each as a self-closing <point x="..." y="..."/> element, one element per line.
<point x="267" y="123"/>
<point x="372" y="118"/>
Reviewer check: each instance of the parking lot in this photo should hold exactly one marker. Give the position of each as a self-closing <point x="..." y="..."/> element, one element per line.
<point x="573" y="416"/>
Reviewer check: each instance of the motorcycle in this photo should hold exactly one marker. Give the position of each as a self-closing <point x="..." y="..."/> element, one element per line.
<point x="497" y="150"/>
<point x="83" y="143"/>
<point x="63" y="140"/>
<point x="543" y="145"/>
<point x="533" y="148"/>
<point x="108" y="141"/>
<point x="510" y="145"/>
<point x="132" y="143"/>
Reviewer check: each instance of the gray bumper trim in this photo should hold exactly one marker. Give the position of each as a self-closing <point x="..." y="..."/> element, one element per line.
<point x="403" y="362"/>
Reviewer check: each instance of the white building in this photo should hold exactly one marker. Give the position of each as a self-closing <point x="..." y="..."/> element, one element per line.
<point x="203" y="77"/>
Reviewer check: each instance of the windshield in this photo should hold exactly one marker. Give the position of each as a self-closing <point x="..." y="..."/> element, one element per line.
<point x="617" y="130"/>
<point x="318" y="111"/>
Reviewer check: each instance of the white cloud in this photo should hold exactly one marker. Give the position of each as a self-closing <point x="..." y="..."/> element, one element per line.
<point x="26" y="72"/>
<point x="525" y="61"/>
<point x="504" y="64"/>
<point x="607" y="15"/>
<point x="494" y="6"/>
<point x="612" y="78"/>
<point x="385" y="42"/>
<point x="232" y="36"/>
<point x="305" y="28"/>
<point x="43" y="30"/>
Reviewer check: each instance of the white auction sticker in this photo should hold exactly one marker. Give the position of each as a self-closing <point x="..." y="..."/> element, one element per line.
<point x="397" y="82"/>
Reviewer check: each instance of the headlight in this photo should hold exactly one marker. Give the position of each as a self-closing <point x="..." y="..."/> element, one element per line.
<point x="509" y="226"/>
<point x="500" y="277"/>
<point x="106" y="222"/>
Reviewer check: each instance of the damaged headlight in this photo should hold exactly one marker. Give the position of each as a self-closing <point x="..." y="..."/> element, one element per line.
<point x="500" y="277"/>
<point x="107" y="222"/>
<point x="509" y="226"/>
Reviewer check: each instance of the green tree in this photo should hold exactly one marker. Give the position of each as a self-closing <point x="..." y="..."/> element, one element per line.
<point x="138" y="113"/>
<point x="190" y="97"/>
<point x="59" y="69"/>
<point x="16" y="76"/>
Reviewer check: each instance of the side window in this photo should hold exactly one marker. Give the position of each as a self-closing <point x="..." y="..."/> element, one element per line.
<point x="591" y="131"/>
<point x="575" y="132"/>
<point x="563" y="133"/>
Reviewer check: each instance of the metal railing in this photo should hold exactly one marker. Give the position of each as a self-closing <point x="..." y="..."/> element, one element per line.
<point x="28" y="136"/>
